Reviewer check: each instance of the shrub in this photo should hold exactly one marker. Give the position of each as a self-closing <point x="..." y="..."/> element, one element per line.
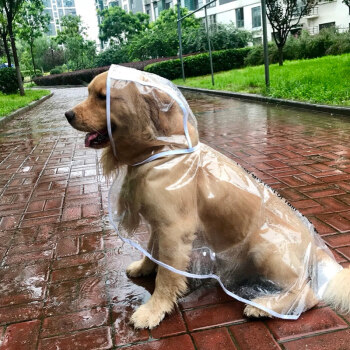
<point x="80" y="77"/>
<point x="29" y="73"/>
<point x="57" y="70"/>
<point x="83" y="77"/>
<point x="113" y="55"/>
<point x="222" y="37"/>
<point x="255" y="56"/>
<point x="199" y="64"/>
<point x="8" y="80"/>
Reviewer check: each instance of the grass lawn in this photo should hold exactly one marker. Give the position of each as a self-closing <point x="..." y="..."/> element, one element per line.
<point x="9" y="103"/>
<point x="324" y="80"/>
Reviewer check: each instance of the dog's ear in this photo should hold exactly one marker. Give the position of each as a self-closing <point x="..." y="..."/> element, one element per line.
<point x="165" y="112"/>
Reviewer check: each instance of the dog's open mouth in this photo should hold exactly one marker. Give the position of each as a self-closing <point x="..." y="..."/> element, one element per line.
<point x="97" y="139"/>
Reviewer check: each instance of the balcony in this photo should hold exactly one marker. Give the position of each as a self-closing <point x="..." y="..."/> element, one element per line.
<point x="312" y="13"/>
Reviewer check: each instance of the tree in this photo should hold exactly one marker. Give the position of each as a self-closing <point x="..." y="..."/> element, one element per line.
<point x="222" y="36"/>
<point x="4" y="35"/>
<point x="48" y="54"/>
<point x="161" y="39"/>
<point x="79" y="52"/>
<point x="32" y="23"/>
<point x="71" y="26"/>
<point x="119" y="26"/>
<point x="347" y="3"/>
<point x="11" y="9"/>
<point x="283" y="15"/>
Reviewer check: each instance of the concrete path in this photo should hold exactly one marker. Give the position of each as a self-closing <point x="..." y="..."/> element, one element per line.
<point x="62" y="272"/>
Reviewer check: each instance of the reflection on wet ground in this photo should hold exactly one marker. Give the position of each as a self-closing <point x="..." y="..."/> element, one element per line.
<point x="63" y="284"/>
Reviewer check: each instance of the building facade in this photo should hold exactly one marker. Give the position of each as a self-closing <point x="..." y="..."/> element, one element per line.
<point x="245" y="14"/>
<point x="86" y="9"/>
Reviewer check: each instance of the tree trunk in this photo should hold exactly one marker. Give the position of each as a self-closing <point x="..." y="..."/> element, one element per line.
<point x="6" y="48"/>
<point x="280" y="55"/>
<point x="31" y="53"/>
<point x="15" y="58"/>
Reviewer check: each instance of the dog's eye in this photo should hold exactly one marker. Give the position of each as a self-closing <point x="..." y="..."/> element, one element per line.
<point x="101" y="96"/>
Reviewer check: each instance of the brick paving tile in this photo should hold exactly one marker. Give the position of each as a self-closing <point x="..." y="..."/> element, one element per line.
<point x="331" y="341"/>
<point x="204" y="296"/>
<point x="21" y="336"/>
<point x="345" y="251"/>
<point x="124" y="332"/>
<point x="314" y="321"/>
<point x="172" y="324"/>
<point x="182" y="342"/>
<point x="72" y="322"/>
<point x="338" y="240"/>
<point x="214" y="315"/>
<point x="18" y="313"/>
<point x="217" y="338"/>
<point x="253" y="335"/>
<point x="62" y="268"/>
<point x="95" y="338"/>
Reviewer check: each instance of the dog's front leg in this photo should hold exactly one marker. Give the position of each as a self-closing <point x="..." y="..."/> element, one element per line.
<point x="175" y="244"/>
<point x="145" y="266"/>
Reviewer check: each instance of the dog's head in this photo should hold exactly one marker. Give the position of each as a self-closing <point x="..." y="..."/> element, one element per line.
<point x="139" y="123"/>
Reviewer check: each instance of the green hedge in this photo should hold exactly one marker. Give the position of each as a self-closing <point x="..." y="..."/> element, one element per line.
<point x="8" y="80"/>
<point x="199" y="64"/>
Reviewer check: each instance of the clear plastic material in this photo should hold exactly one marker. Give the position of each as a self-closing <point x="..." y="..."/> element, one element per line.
<point x="221" y="221"/>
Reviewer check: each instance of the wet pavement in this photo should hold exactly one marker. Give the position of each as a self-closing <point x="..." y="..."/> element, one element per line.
<point x="62" y="273"/>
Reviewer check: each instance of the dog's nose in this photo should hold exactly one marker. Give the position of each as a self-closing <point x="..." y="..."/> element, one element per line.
<point x="70" y="115"/>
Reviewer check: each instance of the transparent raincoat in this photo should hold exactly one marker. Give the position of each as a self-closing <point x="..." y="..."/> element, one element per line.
<point x="246" y="236"/>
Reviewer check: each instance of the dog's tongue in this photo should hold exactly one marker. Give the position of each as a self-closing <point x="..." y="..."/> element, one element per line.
<point x="90" y="137"/>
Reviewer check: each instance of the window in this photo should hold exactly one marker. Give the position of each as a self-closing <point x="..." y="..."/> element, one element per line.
<point x="212" y="20"/>
<point x="167" y="4"/>
<point x="213" y="4"/>
<point x="327" y="25"/>
<point x="47" y="3"/>
<point x="126" y="8"/>
<point x="70" y="12"/>
<point x="49" y="12"/>
<point x="256" y="17"/>
<point x="155" y="10"/>
<point x="68" y="3"/>
<point x="239" y="17"/>
<point x="52" y="30"/>
<point x="59" y="3"/>
<point x="257" y="41"/>
<point x="221" y="2"/>
<point x="148" y="10"/>
<point x="60" y="13"/>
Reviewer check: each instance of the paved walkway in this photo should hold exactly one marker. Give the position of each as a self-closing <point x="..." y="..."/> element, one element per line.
<point x="62" y="273"/>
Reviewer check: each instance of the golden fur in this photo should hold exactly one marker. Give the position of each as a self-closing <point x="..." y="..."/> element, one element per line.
<point x="176" y="215"/>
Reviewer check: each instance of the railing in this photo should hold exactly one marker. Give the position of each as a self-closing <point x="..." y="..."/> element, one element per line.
<point x="312" y="12"/>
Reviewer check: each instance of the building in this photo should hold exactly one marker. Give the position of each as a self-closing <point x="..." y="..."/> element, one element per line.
<point x="86" y="9"/>
<point x="246" y="14"/>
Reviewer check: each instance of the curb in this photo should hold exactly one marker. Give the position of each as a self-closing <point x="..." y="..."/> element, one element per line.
<point x="23" y="110"/>
<point x="278" y="101"/>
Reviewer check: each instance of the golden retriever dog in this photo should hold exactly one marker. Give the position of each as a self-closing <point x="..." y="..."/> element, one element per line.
<point x="227" y="214"/>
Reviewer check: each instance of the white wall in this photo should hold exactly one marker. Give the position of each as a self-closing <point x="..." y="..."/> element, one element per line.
<point x="87" y="10"/>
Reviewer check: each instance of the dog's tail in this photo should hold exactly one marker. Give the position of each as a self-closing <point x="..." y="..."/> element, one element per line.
<point x="337" y="293"/>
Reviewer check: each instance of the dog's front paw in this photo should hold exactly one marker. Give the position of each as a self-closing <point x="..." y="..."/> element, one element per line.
<point x="147" y="317"/>
<point x="252" y="311"/>
<point x="141" y="267"/>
